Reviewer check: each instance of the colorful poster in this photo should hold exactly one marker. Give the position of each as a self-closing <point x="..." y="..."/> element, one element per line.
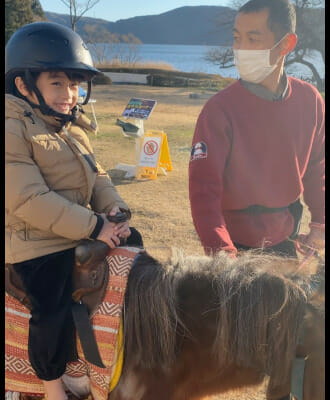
<point x="139" y="108"/>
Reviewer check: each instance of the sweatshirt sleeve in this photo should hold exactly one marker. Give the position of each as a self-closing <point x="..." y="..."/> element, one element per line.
<point x="210" y="150"/>
<point x="105" y="195"/>
<point x="314" y="177"/>
<point x="28" y="197"/>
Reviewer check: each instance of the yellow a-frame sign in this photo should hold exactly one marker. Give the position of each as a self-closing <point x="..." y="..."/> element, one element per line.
<point x="154" y="155"/>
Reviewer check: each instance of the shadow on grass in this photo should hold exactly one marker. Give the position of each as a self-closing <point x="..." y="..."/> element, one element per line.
<point x="118" y="178"/>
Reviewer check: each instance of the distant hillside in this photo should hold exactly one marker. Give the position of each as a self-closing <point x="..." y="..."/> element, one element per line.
<point x="197" y="25"/>
<point x="185" y="25"/>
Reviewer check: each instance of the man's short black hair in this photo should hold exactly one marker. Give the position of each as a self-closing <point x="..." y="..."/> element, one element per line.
<point x="282" y="15"/>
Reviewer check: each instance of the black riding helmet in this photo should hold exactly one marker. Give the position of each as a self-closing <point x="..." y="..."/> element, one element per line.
<point x="46" y="46"/>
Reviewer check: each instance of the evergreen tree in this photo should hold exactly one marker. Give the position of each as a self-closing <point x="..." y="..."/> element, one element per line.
<point x="19" y="13"/>
<point x="37" y="11"/>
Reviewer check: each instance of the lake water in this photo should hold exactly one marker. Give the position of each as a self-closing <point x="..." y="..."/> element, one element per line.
<point x="190" y="58"/>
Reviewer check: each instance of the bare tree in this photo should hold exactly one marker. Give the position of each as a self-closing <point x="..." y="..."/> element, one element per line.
<point x="310" y="32"/>
<point x="111" y="47"/>
<point x="131" y="45"/>
<point x="100" y="41"/>
<point x="311" y="37"/>
<point x="77" y="10"/>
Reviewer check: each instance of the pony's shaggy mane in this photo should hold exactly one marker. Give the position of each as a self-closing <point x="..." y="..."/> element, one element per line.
<point x="257" y="301"/>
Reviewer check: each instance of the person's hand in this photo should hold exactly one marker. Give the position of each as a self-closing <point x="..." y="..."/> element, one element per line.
<point x="314" y="240"/>
<point x="122" y="228"/>
<point x="108" y="234"/>
<point x="114" y="210"/>
<point x="232" y="255"/>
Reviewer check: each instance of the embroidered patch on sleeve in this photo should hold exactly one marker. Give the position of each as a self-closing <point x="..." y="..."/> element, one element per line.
<point x="198" y="150"/>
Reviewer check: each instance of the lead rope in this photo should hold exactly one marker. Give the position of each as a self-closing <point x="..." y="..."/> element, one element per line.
<point x="297" y="378"/>
<point x="298" y="367"/>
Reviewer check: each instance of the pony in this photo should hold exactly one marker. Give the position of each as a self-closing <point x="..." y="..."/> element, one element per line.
<point x="197" y="326"/>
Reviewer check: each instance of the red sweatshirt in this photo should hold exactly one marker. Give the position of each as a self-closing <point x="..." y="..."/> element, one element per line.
<point x="250" y="151"/>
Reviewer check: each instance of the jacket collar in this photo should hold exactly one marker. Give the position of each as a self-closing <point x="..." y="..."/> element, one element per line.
<point x="82" y="121"/>
<point x="17" y="108"/>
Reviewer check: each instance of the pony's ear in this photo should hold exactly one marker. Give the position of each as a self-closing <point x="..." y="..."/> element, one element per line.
<point x="318" y="296"/>
<point x="316" y="277"/>
<point x="308" y="266"/>
<point x="318" y="282"/>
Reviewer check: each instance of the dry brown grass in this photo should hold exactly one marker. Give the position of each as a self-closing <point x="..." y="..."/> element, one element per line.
<point x="160" y="208"/>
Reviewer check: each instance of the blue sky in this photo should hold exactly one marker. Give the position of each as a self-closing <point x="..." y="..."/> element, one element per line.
<point x="113" y="10"/>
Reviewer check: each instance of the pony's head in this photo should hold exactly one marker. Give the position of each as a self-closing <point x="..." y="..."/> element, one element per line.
<point x="196" y="317"/>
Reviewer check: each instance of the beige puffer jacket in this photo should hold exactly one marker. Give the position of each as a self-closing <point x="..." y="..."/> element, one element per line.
<point x="52" y="183"/>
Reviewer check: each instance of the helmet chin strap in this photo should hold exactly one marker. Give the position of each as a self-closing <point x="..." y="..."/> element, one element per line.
<point x="89" y="89"/>
<point x="44" y="108"/>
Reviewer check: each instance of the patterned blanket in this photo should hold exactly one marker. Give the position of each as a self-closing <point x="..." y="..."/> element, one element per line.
<point x="19" y="375"/>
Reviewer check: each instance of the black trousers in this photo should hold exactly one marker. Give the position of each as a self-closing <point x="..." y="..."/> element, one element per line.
<point x="48" y="284"/>
<point x="285" y="249"/>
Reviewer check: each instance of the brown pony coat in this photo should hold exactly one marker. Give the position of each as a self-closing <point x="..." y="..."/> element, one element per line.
<point x="201" y="325"/>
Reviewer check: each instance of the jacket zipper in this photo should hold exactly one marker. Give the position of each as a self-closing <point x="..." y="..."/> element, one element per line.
<point x="81" y="150"/>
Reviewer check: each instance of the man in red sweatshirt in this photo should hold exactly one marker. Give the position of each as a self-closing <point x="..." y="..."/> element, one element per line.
<point x="259" y="144"/>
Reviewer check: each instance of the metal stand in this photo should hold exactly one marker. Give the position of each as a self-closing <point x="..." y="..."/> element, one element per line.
<point x="91" y="101"/>
<point x="130" y="169"/>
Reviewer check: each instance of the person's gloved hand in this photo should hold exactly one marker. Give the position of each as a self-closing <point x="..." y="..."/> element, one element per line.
<point x="122" y="228"/>
<point x="108" y="234"/>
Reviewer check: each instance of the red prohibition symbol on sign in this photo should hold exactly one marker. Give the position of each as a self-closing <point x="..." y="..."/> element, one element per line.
<point x="150" y="147"/>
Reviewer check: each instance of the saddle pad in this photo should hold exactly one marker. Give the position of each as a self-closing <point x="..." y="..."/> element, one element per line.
<point x="20" y="376"/>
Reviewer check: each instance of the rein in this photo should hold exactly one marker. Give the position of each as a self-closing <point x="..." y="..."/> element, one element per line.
<point x="298" y="367"/>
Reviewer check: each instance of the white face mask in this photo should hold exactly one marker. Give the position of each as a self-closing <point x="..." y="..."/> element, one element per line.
<point x="254" y="65"/>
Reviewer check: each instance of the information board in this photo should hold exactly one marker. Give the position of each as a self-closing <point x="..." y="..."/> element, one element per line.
<point x="139" y="108"/>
